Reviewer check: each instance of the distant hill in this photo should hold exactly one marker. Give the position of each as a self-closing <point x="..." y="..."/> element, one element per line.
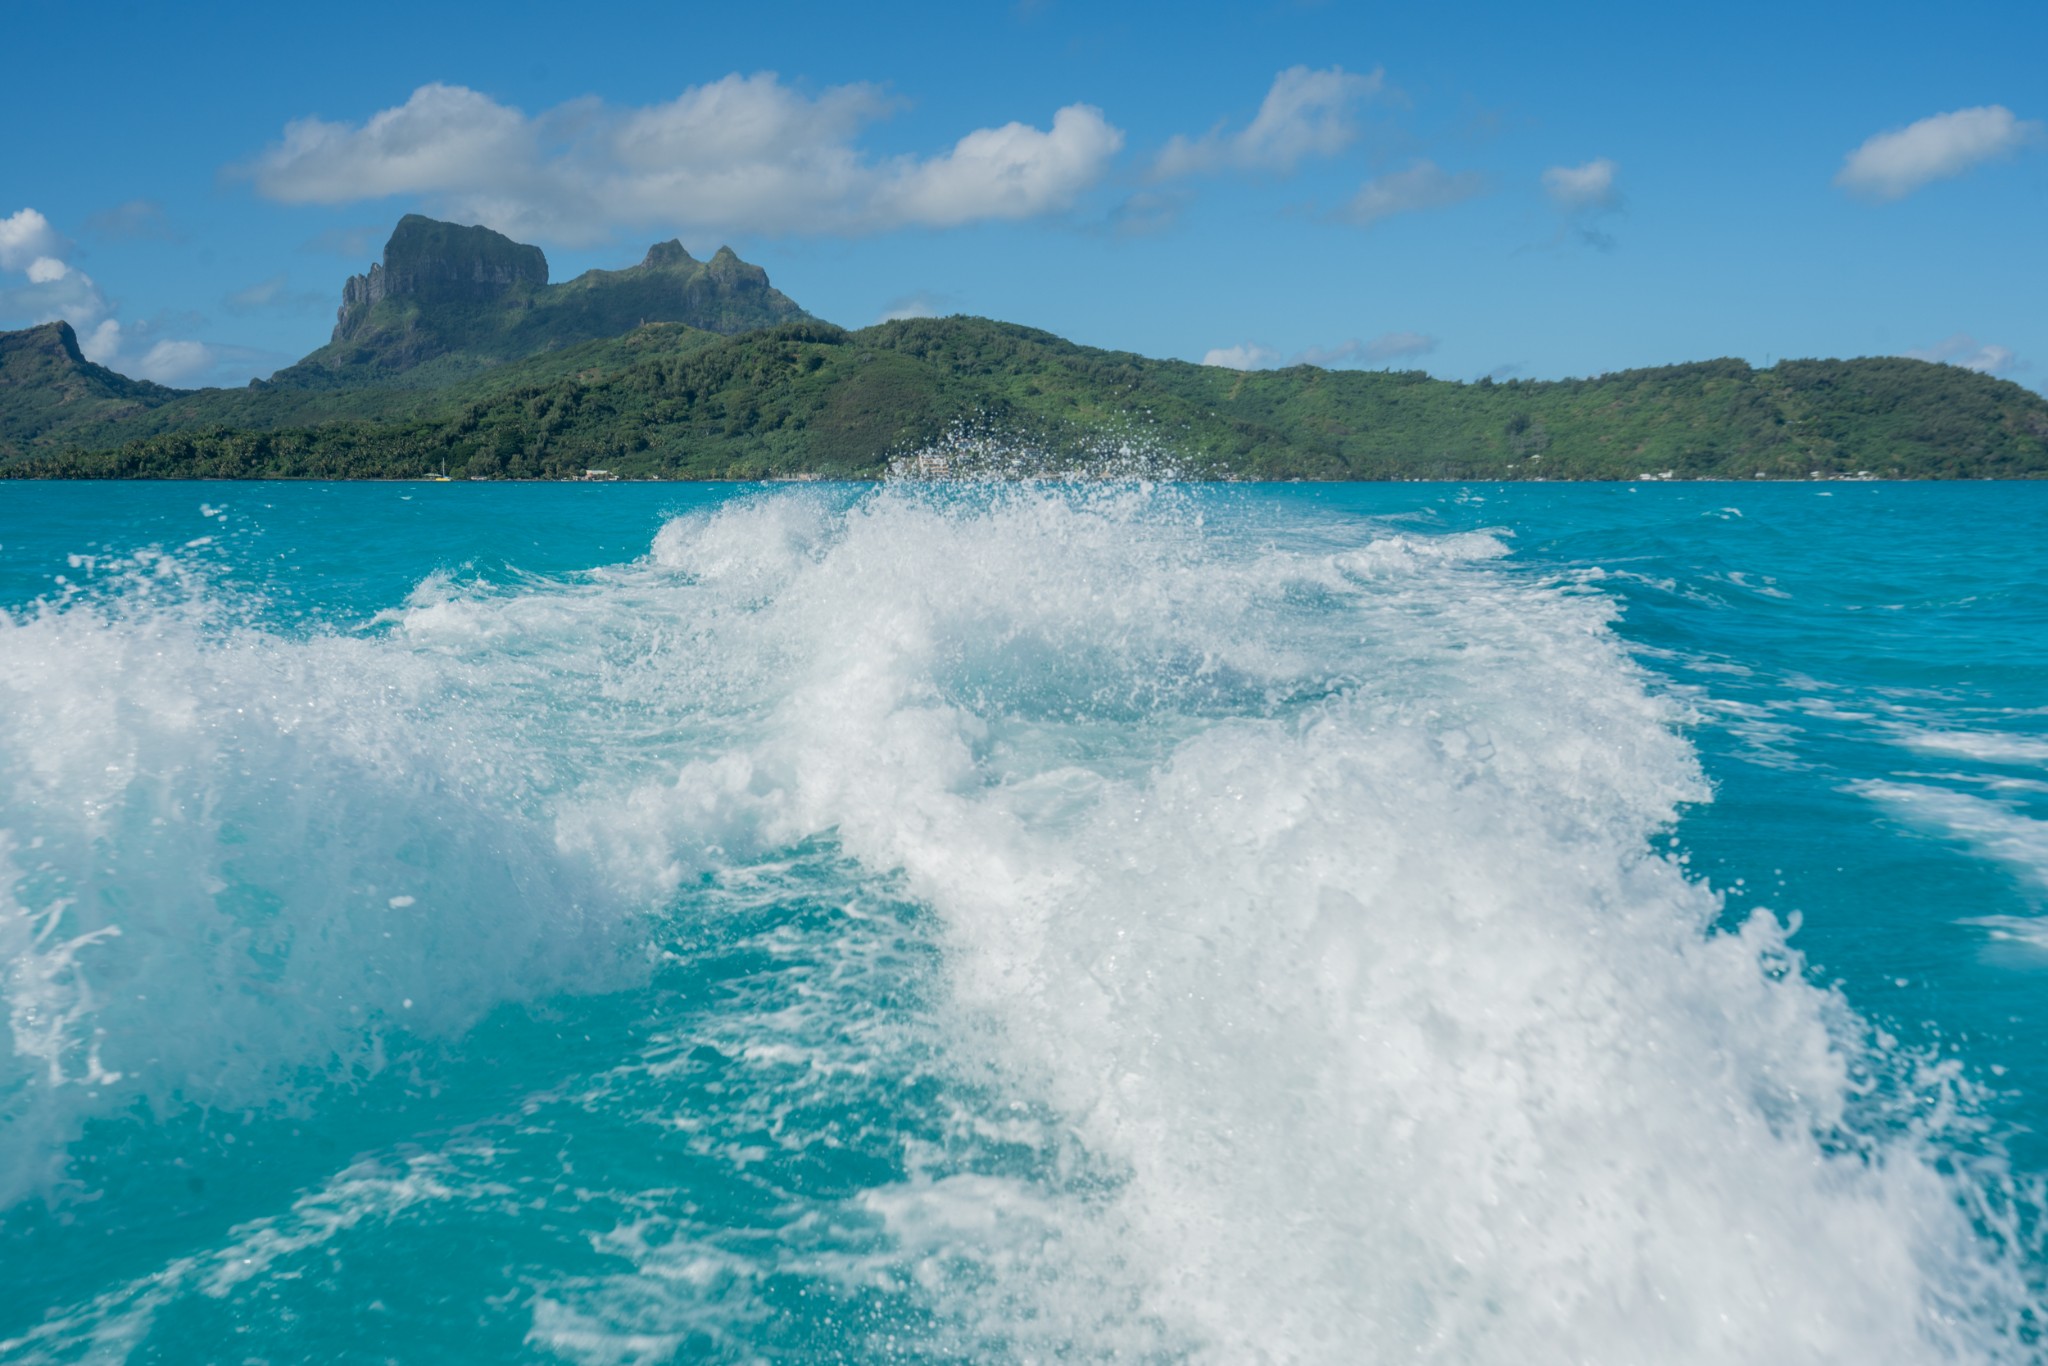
<point x="809" y="398"/>
<point x="454" y="350"/>
<point x="47" y="385"/>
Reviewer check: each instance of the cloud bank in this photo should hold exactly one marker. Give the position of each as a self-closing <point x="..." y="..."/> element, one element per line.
<point x="25" y="237"/>
<point x="742" y="154"/>
<point x="1892" y="165"/>
<point x="50" y="288"/>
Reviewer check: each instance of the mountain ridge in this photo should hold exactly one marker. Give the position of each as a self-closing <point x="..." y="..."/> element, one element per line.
<point x="51" y="385"/>
<point x="809" y="399"/>
<point x="455" y="350"/>
<point x="471" y="298"/>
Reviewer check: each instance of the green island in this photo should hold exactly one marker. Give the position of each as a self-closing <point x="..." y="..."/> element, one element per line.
<point x="455" y="356"/>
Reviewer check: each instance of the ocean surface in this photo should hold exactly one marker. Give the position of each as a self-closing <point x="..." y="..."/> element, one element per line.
<point x="1023" y="922"/>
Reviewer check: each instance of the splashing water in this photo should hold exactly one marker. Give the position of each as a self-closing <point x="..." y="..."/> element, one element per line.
<point x="992" y="921"/>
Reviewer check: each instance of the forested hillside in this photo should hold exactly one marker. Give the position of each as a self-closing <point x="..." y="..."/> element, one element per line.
<point x="455" y="353"/>
<point x="810" y="398"/>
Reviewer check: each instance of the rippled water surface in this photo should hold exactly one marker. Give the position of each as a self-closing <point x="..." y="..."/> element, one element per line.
<point x="1023" y="922"/>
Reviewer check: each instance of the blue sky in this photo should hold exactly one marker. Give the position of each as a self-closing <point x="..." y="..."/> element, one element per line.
<point x="1477" y="189"/>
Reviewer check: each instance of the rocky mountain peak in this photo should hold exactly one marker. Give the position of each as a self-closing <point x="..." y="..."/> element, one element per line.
<point x="466" y="297"/>
<point x="667" y="254"/>
<point x="440" y="263"/>
<point x="52" y="340"/>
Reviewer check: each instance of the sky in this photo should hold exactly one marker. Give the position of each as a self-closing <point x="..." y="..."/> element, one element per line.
<point x="1471" y="190"/>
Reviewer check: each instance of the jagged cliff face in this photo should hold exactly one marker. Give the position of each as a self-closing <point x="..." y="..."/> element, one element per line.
<point x="467" y="298"/>
<point x="440" y="263"/>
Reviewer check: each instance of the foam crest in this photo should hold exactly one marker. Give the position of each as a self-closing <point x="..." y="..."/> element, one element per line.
<point x="244" y="864"/>
<point x="1312" y="985"/>
<point x="755" y="542"/>
<point x="1313" y="884"/>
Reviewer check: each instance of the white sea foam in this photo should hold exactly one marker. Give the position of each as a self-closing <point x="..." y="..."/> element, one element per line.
<point x="1301" y="877"/>
<point x="235" y="859"/>
<point x="1991" y="747"/>
<point x="1314" y="888"/>
<point x="2029" y="930"/>
<point x="1989" y="828"/>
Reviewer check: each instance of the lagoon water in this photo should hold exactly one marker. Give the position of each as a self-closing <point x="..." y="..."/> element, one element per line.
<point x="1023" y="922"/>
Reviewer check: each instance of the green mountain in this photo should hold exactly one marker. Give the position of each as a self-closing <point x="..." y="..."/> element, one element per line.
<point x="445" y="310"/>
<point x="48" y="388"/>
<point x="455" y="351"/>
<point x="448" y="301"/>
<point x="808" y="398"/>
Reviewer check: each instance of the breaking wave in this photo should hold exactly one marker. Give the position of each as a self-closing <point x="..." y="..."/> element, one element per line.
<point x="1304" y="943"/>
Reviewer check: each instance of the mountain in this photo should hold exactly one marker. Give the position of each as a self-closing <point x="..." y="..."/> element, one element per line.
<point x="456" y="350"/>
<point x="448" y="301"/>
<point x="807" y="398"/>
<point x="47" y="385"/>
<point x="446" y="309"/>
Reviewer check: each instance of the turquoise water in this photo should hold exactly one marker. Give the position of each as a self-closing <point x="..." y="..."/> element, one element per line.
<point x="1023" y="922"/>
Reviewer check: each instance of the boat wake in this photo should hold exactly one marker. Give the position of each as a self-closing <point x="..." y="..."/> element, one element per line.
<point x="1055" y="919"/>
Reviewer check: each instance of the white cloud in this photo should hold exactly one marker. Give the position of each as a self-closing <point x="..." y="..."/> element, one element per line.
<point x="1014" y="171"/>
<point x="50" y="295"/>
<point x="1385" y="347"/>
<point x="744" y="121"/>
<point x="445" y="138"/>
<point x="103" y="343"/>
<point x="745" y="153"/>
<point x="918" y="305"/>
<point x="1247" y="356"/>
<point x="26" y="235"/>
<point x="1583" y="194"/>
<point x="53" y="287"/>
<point x="1894" y="164"/>
<point x="175" y="362"/>
<point x="1965" y="350"/>
<point x="1422" y="186"/>
<point x="1305" y="113"/>
<point x="1576" y="188"/>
